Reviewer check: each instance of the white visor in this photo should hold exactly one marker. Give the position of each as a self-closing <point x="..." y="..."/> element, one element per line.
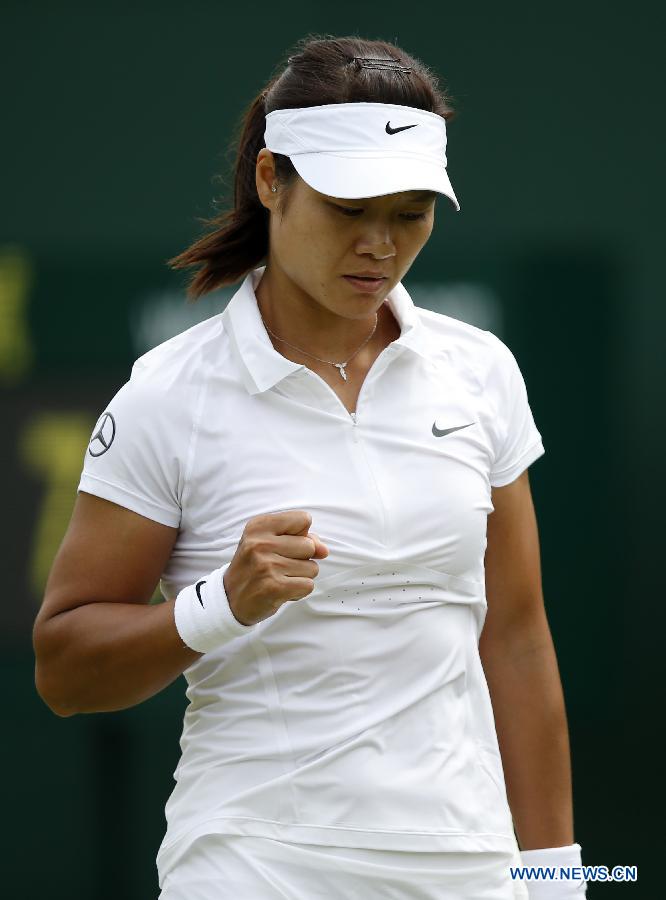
<point x="353" y="150"/>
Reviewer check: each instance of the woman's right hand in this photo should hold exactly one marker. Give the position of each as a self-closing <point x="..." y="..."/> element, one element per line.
<point x="273" y="563"/>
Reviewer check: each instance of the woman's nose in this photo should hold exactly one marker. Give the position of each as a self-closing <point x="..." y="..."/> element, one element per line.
<point x="378" y="240"/>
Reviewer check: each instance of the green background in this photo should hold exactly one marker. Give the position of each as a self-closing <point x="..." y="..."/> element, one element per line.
<point x="115" y="123"/>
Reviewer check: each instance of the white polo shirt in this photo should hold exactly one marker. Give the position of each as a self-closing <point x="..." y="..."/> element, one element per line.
<point x="359" y="715"/>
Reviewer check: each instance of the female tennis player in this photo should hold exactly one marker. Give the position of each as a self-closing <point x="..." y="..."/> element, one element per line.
<point x="331" y="485"/>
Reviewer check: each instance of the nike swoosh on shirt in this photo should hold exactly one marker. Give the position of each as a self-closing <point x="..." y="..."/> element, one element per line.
<point x="441" y="432"/>
<point x="196" y="588"/>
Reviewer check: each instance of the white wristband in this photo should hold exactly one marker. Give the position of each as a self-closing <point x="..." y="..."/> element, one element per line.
<point x="204" y="619"/>
<point x="555" y="857"/>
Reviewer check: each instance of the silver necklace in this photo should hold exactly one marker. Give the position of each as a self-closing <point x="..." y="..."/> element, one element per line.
<point x="340" y="366"/>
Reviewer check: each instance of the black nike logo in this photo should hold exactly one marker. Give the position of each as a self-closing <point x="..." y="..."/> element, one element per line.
<point x="196" y="588"/>
<point x="390" y="130"/>
<point x="441" y="432"/>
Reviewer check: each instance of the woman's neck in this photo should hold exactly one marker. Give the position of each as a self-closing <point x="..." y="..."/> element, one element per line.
<point x="314" y="329"/>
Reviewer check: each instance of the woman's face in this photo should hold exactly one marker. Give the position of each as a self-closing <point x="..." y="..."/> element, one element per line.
<point x="319" y="239"/>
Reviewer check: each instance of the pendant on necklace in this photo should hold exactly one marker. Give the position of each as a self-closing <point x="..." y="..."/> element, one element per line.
<point x="341" y="366"/>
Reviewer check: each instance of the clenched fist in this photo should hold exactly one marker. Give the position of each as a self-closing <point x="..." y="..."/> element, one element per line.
<point x="274" y="562"/>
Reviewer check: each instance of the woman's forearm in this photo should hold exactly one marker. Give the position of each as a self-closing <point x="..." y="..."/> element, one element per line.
<point x="530" y="719"/>
<point x="101" y="657"/>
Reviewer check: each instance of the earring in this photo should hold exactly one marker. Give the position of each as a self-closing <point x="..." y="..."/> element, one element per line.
<point x="273" y="188"/>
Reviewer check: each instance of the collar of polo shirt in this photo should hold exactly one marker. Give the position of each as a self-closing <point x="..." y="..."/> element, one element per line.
<point x="263" y="366"/>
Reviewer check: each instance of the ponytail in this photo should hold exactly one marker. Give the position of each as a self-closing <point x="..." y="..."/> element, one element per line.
<point x="238" y="239"/>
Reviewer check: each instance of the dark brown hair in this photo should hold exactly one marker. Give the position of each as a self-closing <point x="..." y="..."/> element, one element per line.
<point x="320" y="69"/>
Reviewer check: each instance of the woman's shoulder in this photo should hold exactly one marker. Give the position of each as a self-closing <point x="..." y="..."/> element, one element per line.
<point x="467" y="347"/>
<point x="162" y="392"/>
<point x="142" y="443"/>
<point x="181" y="359"/>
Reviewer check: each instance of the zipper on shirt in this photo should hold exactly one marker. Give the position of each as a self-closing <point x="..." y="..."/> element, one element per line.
<point x="354" y="429"/>
<point x="363" y="387"/>
<point x="361" y="449"/>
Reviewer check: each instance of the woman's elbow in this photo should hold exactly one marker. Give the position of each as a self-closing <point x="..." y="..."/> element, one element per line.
<point x="46" y="668"/>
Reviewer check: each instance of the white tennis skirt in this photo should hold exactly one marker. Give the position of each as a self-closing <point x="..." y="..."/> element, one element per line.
<point x="222" y="867"/>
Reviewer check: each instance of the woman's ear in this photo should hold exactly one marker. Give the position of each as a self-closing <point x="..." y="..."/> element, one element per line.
<point x="265" y="178"/>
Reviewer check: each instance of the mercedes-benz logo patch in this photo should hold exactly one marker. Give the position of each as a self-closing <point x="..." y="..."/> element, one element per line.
<point x="103" y="435"/>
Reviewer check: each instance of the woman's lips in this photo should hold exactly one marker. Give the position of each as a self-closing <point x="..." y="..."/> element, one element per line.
<point x="366" y="285"/>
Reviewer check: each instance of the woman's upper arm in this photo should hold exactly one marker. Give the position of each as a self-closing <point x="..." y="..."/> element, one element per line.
<point x="512" y="564"/>
<point x="109" y="553"/>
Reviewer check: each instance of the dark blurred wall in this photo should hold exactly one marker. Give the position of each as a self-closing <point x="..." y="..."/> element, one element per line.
<point x="114" y="123"/>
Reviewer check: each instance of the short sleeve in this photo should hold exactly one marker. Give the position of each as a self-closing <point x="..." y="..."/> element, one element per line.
<point x="136" y="451"/>
<point x="518" y="442"/>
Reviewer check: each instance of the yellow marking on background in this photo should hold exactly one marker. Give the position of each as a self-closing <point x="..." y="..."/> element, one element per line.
<point x="53" y="445"/>
<point x="16" y="350"/>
